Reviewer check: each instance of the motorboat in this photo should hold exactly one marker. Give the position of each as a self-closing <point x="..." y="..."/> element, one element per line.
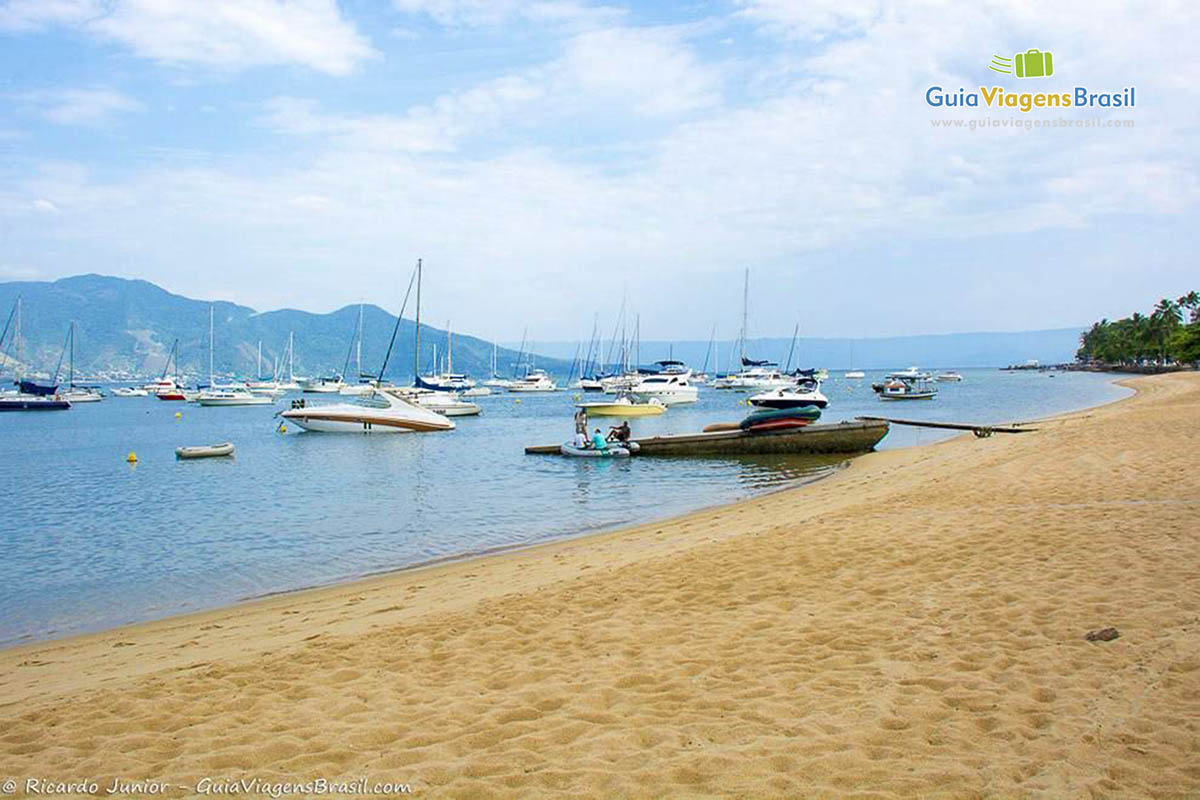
<point x="593" y="384"/>
<point x="759" y="376"/>
<point x="130" y="391"/>
<point x="616" y="384"/>
<point x="160" y="385"/>
<point x="806" y="392"/>
<point x="949" y="377"/>
<point x="448" y="404"/>
<point x="477" y="391"/>
<point x="672" y="386"/>
<point x="901" y="386"/>
<point x="384" y="410"/>
<point x="611" y="451"/>
<point x="232" y="396"/>
<point x="331" y="385"/>
<point x="534" y="381"/>
<point x="363" y="387"/>
<point x="266" y="388"/>
<point x="855" y="374"/>
<point x="624" y="406"/>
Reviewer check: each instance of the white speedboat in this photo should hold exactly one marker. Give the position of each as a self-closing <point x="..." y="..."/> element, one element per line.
<point x="591" y="384"/>
<point x="804" y="393"/>
<point x="232" y="396"/>
<point x="535" y="381"/>
<point x="448" y="404"/>
<point x="672" y="386"/>
<point x="384" y="410"/>
<point x="855" y="374"/>
<point x="130" y="391"/>
<point x="357" y="389"/>
<point x="949" y="377"/>
<point x="330" y="385"/>
<point x="758" y="377"/>
<point x="477" y="391"/>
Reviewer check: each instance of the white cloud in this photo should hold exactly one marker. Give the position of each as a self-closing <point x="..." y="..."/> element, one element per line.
<point x="44" y="205"/>
<point x="477" y="13"/>
<point x="226" y="34"/>
<point x="87" y="107"/>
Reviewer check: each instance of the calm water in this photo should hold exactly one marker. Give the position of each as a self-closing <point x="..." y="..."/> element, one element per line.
<point x="88" y="541"/>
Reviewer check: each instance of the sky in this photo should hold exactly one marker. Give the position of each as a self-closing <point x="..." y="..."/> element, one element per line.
<point x="549" y="158"/>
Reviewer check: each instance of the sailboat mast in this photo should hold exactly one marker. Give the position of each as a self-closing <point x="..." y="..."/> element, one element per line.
<point x="792" y="349"/>
<point x="449" y="349"/>
<point x="258" y="369"/>
<point x="417" y="334"/>
<point x="71" y="365"/>
<point x="745" y="311"/>
<point x="291" y="343"/>
<point x="358" y="349"/>
<point x="17" y="339"/>
<point x="210" y="345"/>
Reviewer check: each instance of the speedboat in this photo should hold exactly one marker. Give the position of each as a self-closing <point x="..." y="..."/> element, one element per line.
<point x="949" y="377"/>
<point x="477" y="391"/>
<point x="536" y="381"/>
<point x="804" y="393"/>
<point x="232" y="396"/>
<point x="384" y="410"/>
<point x="673" y="386"/>
<point x="901" y="386"/>
<point x="448" y="404"/>
<point x="330" y="385"/>
<point x="130" y="391"/>
<point x="594" y="384"/>
<point x="447" y="382"/>
<point x="363" y="387"/>
<point x="498" y="383"/>
<point x="624" y="406"/>
<point x="854" y="374"/>
<point x="159" y="386"/>
<point x="758" y="377"/>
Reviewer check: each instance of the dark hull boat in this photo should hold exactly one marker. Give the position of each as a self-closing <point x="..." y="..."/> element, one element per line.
<point x="31" y="402"/>
<point x="841" y="437"/>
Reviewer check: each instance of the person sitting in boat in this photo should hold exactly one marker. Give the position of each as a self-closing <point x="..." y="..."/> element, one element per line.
<point x="598" y="440"/>
<point x="619" y="433"/>
<point x="581" y="440"/>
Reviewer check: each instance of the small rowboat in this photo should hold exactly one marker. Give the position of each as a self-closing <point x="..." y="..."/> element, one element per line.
<point x="206" y="451"/>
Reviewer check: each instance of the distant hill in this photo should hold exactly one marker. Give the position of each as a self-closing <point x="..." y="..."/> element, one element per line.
<point x="128" y="325"/>
<point x="943" y="350"/>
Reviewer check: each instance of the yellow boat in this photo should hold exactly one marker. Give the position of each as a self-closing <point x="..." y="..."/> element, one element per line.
<point x="624" y="407"/>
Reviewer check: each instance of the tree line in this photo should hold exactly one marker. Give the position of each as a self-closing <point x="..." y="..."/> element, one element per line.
<point x="1170" y="333"/>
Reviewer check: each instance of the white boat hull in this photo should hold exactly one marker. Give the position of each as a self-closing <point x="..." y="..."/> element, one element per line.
<point x="252" y="400"/>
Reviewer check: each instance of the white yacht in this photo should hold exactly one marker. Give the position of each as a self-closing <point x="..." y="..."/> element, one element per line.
<point x="384" y="410"/>
<point x="448" y="404"/>
<point x="330" y="385"/>
<point x="83" y="394"/>
<point x="232" y="396"/>
<point x="130" y="391"/>
<point x="755" y="375"/>
<point x="672" y="386"/>
<point x="949" y="377"/>
<point x="855" y="374"/>
<point x="805" y="392"/>
<point x="534" y="381"/>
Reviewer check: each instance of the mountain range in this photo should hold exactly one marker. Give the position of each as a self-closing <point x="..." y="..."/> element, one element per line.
<point x="129" y="325"/>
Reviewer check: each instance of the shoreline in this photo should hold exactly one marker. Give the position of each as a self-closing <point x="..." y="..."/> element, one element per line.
<point x="913" y="623"/>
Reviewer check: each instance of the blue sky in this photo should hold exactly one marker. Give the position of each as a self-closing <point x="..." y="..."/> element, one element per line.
<point x="547" y="157"/>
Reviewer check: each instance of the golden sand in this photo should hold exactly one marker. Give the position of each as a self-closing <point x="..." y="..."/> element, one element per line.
<point x="913" y="626"/>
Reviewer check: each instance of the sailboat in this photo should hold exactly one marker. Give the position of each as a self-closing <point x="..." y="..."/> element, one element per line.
<point x="753" y="374"/>
<point x="166" y="388"/>
<point x="23" y="400"/>
<point x="496" y="381"/>
<point x="78" y="394"/>
<point x="448" y="380"/>
<point x="385" y="410"/>
<point x="231" y="394"/>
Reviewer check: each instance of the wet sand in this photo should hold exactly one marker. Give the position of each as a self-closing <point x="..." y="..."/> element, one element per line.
<point x="912" y="626"/>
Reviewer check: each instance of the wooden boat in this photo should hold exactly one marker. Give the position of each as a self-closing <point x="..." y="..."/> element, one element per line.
<point x="206" y="451"/>
<point x="840" y="437"/>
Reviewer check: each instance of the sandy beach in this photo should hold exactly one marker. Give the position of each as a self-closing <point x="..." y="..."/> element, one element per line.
<point x="912" y="626"/>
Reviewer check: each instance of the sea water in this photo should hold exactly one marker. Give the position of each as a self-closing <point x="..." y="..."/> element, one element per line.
<point x="89" y="541"/>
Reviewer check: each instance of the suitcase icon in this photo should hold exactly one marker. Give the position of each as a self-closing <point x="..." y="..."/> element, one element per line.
<point x="1034" y="64"/>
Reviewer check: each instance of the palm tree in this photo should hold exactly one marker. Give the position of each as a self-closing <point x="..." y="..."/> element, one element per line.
<point x="1163" y="322"/>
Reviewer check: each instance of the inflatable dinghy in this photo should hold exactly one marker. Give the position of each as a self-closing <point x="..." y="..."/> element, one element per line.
<point x="612" y="451"/>
<point x="205" y="451"/>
